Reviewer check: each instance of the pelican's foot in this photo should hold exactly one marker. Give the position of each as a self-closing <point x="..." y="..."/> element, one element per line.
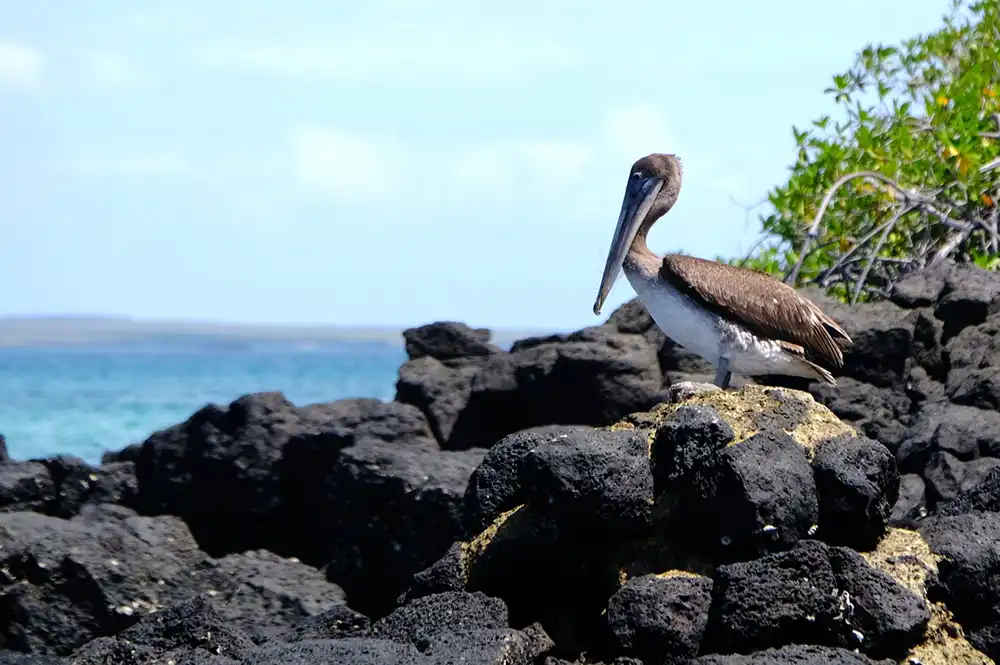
<point x="722" y="374"/>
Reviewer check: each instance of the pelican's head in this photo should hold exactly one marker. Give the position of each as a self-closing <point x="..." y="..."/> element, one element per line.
<point x="653" y="184"/>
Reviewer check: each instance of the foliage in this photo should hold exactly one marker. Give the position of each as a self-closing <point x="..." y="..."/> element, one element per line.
<point x="909" y="176"/>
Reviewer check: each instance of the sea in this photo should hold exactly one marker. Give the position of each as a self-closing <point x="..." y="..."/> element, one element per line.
<point x="83" y="400"/>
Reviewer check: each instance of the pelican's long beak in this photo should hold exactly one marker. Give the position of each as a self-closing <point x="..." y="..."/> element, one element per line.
<point x="639" y="198"/>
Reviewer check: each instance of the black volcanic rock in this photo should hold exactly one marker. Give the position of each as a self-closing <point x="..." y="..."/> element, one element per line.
<point x="495" y="485"/>
<point x="813" y="594"/>
<point x="796" y="654"/>
<point x="911" y="506"/>
<point x="377" y="514"/>
<point x="682" y="443"/>
<point x="969" y="569"/>
<point x="593" y="378"/>
<point x="752" y="497"/>
<point x="26" y="486"/>
<point x="661" y="618"/>
<point x="68" y="581"/>
<point x="440" y="391"/>
<point x="4" y="455"/>
<point x="448" y="340"/>
<point x="858" y="485"/>
<point x="779" y="599"/>
<point x="596" y="481"/>
<point x="187" y="629"/>
<point x="421" y="619"/>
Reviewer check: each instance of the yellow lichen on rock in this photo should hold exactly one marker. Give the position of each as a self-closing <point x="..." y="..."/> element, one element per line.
<point x="905" y="556"/>
<point x="754" y="408"/>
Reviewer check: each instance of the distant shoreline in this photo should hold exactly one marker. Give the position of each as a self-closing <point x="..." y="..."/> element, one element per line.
<point x="49" y="331"/>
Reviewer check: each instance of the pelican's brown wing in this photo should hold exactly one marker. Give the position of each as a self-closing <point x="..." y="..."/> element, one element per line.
<point x="765" y="306"/>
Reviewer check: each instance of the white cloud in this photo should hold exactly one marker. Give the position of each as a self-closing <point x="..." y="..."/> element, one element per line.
<point x="344" y="164"/>
<point x="20" y="66"/>
<point x="406" y="55"/>
<point x="156" y="163"/>
<point x="114" y="72"/>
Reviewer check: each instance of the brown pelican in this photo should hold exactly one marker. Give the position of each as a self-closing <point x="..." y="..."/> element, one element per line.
<point x="737" y="319"/>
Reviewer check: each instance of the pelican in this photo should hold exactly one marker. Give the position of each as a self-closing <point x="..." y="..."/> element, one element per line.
<point x="737" y="319"/>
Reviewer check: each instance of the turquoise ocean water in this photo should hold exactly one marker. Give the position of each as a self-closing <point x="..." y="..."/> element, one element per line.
<point x="88" y="399"/>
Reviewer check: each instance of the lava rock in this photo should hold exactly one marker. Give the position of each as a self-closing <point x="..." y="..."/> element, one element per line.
<point x="77" y="483"/>
<point x="337" y="622"/>
<point x="382" y="512"/>
<point x="596" y="482"/>
<point x="962" y="431"/>
<point x="948" y="477"/>
<point x="353" y="650"/>
<point x="984" y="496"/>
<point x="495" y="485"/>
<point x="25" y="486"/>
<point x="921" y="289"/>
<point x="682" y="443"/>
<point x="448" y="340"/>
<point x="592" y="378"/>
<point x="440" y="392"/>
<point x="969" y="297"/>
<point x="886" y="618"/>
<point x="878" y="413"/>
<point x="752" y="497"/>
<point x="969" y="547"/>
<point x="795" y="654"/>
<point x="779" y="599"/>
<point x="4" y="455"/>
<point x="263" y="594"/>
<point x="69" y="581"/>
<point x="911" y="506"/>
<point x="858" y="484"/>
<point x="191" y="629"/>
<point x="661" y="618"/>
<point x="421" y="619"/>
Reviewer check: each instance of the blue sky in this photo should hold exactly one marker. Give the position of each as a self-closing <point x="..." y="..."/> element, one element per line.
<point x="390" y="162"/>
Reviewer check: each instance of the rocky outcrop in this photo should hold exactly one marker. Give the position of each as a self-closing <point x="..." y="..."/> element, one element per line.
<point x="578" y="498"/>
<point x="742" y="550"/>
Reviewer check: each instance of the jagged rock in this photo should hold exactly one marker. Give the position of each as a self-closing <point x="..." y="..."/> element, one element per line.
<point x="421" y="619"/>
<point x="4" y="455"/>
<point x="353" y="650"/>
<point x="16" y="658"/>
<point x="78" y="483"/>
<point x="984" y="496"/>
<point x="857" y="484"/>
<point x="448" y="340"/>
<point x="661" y="618"/>
<point x="685" y="441"/>
<point x="796" y="654"/>
<point x="25" y="486"/>
<point x="813" y="594"/>
<point x="337" y="622"/>
<point x="948" y="477"/>
<point x="751" y="497"/>
<point x="594" y="481"/>
<point x="885" y="617"/>
<point x="969" y="297"/>
<point x="190" y="629"/>
<point x="877" y="412"/>
<point x="440" y="391"/>
<point x="590" y="378"/>
<point x="68" y="581"/>
<point x="263" y="594"/>
<point x="383" y="511"/>
<point x="495" y="485"/>
<point x="969" y="549"/>
<point x="219" y="469"/>
<point x="911" y="506"/>
<point x="921" y="289"/>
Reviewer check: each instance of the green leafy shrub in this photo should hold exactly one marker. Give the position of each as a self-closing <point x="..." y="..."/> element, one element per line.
<point x="921" y="125"/>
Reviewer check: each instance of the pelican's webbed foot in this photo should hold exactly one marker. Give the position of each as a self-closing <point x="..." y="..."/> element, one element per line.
<point x="722" y="373"/>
